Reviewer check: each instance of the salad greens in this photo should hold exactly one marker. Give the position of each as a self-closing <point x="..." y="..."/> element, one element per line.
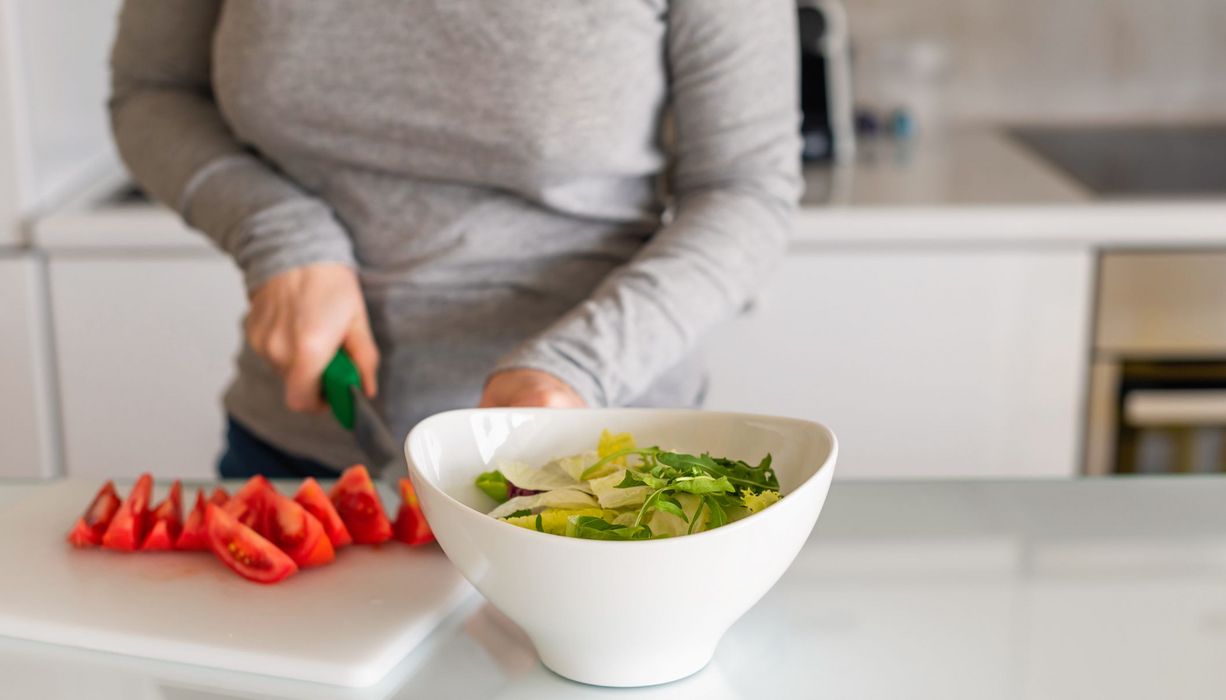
<point x="623" y="492"/>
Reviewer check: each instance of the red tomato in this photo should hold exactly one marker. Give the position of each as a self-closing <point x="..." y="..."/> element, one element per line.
<point x="159" y="538"/>
<point x="219" y="496"/>
<point x="358" y="505"/>
<point x="167" y="521"/>
<point x="127" y="528"/>
<point x="312" y="497"/>
<point x="91" y="526"/>
<point x="248" y="505"/>
<point x="296" y="532"/>
<point x="243" y="549"/>
<point x="411" y="526"/>
<point x="192" y="535"/>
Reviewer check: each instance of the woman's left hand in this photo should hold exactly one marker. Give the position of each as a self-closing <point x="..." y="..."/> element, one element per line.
<point x="528" y="387"/>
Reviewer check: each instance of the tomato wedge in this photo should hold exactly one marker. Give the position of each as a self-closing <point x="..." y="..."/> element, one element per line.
<point x="127" y="528"/>
<point x="249" y="503"/>
<point x="296" y="532"/>
<point x="219" y="496"/>
<point x="192" y="538"/>
<point x="93" y="524"/>
<point x="243" y="549"/>
<point x="358" y="504"/>
<point x="167" y="521"/>
<point x="312" y="497"/>
<point x="411" y="526"/>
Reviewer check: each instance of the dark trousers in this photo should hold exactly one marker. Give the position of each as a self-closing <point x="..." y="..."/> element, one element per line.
<point x="247" y="455"/>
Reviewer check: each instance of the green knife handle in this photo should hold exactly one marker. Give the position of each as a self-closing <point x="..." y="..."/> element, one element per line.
<point x="339" y="376"/>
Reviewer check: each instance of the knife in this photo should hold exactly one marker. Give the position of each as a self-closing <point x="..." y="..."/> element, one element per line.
<point x="342" y="389"/>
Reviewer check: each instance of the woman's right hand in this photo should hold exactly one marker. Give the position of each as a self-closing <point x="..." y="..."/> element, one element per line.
<point x="297" y="321"/>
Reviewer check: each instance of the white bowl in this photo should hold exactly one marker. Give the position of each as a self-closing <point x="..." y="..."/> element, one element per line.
<point x="618" y="613"/>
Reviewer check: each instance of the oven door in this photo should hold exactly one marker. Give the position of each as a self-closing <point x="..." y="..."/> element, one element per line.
<point x="1170" y="417"/>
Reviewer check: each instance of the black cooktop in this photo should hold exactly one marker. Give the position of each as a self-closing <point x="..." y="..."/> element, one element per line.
<point x="1135" y="160"/>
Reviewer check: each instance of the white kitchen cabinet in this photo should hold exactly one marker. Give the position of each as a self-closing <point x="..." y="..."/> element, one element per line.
<point x="924" y="362"/>
<point x="28" y="441"/>
<point x="54" y="139"/>
<point x="1171" y="645"/>
<point x="145" y="345"/>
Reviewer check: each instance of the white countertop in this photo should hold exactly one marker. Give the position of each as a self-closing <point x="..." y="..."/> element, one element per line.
<point x="974" y="187"/>
<point x="1019" y="591"/>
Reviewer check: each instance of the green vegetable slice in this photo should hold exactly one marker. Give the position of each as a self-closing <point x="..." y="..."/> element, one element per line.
<point x="495" y="485"/>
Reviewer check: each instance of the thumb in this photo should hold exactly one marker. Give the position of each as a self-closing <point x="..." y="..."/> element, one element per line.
<point x="359" y="342"/>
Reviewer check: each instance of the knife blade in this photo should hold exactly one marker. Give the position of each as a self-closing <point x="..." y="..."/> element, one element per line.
<point x="341" y="386"/>
<point x="373" y="436"/>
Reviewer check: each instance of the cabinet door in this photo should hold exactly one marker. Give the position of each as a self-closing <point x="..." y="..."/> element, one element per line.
<point x="923" y="363"/>
<point x="145" y="348"/>
<point x="28" y="443"/>
<point x="1077" y="645"/>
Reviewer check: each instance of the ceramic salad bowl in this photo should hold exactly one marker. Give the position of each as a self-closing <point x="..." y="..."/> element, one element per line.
<point x="618" y="613"/>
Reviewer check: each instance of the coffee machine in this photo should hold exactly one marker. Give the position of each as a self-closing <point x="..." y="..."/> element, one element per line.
<point x="828" y="126"/>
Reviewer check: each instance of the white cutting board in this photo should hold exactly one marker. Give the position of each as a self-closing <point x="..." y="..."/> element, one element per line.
<point x="345" y="624"/>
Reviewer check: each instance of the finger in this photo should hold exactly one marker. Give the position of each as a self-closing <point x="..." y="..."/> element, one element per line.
<point x="275" y="348"/>
<point x="311" y="356"/>
<point x="492" y="395"/>
<point x="360" y="344"/>
<point x="533" y="398"/>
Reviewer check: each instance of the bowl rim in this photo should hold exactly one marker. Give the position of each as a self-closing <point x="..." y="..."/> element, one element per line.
<point x="809" y="484"/>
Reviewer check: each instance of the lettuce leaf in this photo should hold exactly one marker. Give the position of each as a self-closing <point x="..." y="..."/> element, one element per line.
<point x="557" y="498"/>
<point x="545" y="478"/>
<point x="610" y="495"/>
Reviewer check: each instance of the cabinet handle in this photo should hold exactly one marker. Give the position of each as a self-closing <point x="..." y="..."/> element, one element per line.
<point x="1188" y="407"/>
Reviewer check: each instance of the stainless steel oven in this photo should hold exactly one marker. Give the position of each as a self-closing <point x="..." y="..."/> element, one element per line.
<point x="1157" y="395"/>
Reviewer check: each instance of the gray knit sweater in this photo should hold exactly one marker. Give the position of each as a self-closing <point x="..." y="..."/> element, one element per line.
<point x="583" y="187"/>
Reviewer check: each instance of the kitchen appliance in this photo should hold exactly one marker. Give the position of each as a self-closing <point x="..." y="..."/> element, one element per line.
<point x="827" y="125"/>
<point x="1171" y="416"/>
<point x="1157" y="394"/>
<point x="345" y="624"/>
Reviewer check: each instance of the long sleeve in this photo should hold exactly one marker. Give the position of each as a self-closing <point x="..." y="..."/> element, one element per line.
<point x="171" y="135"/>
<point x="735" y="183"/>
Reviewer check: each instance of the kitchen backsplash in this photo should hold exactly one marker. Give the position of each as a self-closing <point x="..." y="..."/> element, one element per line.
<point x="1042" y="60"/>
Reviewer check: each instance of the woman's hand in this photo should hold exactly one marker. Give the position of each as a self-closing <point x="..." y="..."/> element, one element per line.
<point x="298" y="320"/>
<point x="528" y="387"/>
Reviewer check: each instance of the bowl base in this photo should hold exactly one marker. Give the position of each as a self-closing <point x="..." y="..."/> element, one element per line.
<point x="611" y="674"/>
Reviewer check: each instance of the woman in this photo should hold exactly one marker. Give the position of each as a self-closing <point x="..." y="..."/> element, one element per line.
<point x="508" y="203"/>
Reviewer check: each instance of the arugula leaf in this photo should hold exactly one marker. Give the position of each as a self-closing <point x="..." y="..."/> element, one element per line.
<point x="761" y="477"/>
<point x="590" y="527"/>
<point x="702" y="503"/>
<point x="539" y="523"/>
<point x="635" y="478"/>
<point x="703" y="484"/>
<point x="495" y="485"/>
<point x="668" y="504"/>
<point x="690" y="463"/>
<point x="718" y="517"/>
<point x="517" y="514"/>
<point x="630" y="480"/>
<point x="649" y="504"/>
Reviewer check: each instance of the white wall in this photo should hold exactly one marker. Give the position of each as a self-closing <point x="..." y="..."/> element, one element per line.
<point x="1058" y="59"/>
